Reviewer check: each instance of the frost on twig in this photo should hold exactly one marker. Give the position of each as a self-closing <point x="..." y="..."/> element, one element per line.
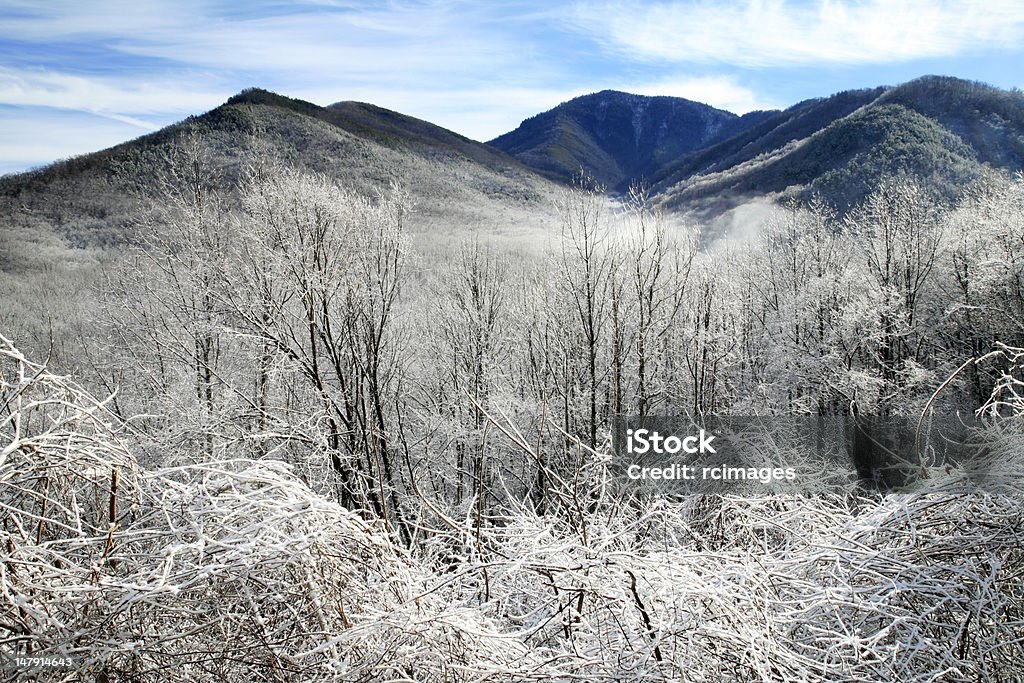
<point x="1008" y="394"/>
<point x="237" y="571"/>
<point x="227" y="571"/>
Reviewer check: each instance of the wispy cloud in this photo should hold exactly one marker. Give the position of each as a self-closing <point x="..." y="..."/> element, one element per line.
<point x="723" y="92"/>
<point x="70" y="19"/>
<point x="393" y="42"/>
<point x="419" y="56"/>
<point x="30" y="136"/>
<point x="771" y="33"/>
<point x="120" y="99"/>
<point x="478" y="68"/>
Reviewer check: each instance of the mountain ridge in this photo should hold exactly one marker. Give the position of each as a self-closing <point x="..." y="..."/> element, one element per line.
<point x="615" y="136"/>
<point x="943" y="130"/>
<point x="91" y="200"/>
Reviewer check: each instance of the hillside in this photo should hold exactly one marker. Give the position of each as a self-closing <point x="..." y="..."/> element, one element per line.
<point x="842" y="162"/>
<point x="93" y="200"/>
<point x="617" y="137"/>
<point x="770" y="134"/>
<point x="989" y="120"/>
<point x="943" y="131"/>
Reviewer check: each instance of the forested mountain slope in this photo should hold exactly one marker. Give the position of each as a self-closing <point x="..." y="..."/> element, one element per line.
<point x="944" y="132"/>
<point x="617" y="137"/>
<point x="64" y="227"/>
<point x="774" y="132"/>
<point x="94" y="199"/>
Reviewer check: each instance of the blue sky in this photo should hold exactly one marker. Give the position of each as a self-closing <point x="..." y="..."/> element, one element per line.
<point x="79" y="76"/>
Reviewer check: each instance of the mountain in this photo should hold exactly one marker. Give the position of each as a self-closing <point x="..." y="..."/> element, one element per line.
<point x="989" y="120"/>
<point x="64" y="227"/>
<point x="454" y="183"/>
<point x="616" y="137"/>
<point x="946" y="132"/>
<point x="773" y="132"/>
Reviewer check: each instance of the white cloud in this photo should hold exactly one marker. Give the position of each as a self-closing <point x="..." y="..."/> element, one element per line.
<point x="766" y="33"/>
<point x="121" y="99"/>
<point x="322" y="45"/>
<point x="722" y="92"/>
<point x="30" y="20"/>
<point x="396" y="42"/>
<point x="32" y="137"/>
<point x="480" y="113"/>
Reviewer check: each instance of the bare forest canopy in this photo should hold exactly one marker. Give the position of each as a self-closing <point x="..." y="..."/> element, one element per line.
<point x="325" y="394"/>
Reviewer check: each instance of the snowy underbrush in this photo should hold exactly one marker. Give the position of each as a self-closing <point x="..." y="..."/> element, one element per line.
<point x="227" y="571"/>
<point x="915" y="588"/>
<point x="238" y="571"/>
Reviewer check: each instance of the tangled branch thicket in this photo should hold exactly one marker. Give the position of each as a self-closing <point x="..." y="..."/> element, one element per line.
<point x="238" y="571"/>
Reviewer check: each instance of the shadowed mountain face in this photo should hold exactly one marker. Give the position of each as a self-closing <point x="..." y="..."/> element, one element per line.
<point x="616" y="137"/>
<point x="943" y="131"/>
<point x="842" y="162"/>
<point x="772" y="132"/>
<point x="989" y="120"/>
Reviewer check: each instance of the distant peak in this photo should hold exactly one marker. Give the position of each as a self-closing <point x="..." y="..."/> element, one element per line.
<point x="628" y="96"/>
<point x="252" y="96"/>
<point x="268" y="98"/>
<point x="938" y="83"/>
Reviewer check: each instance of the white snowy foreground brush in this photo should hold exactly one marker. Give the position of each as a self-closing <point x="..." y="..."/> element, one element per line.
<point x="238" y="571"/>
